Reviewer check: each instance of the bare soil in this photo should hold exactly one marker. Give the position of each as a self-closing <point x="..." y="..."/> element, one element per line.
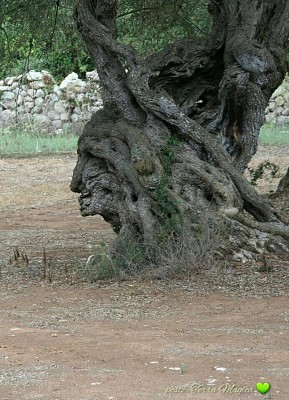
<point x="213" y="336"/>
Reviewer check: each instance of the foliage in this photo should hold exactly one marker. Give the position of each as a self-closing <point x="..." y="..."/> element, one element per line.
<point x="169" y="153"/>
<point x="181" y="254"/>
<point x="167" y="206"/>
<point x="257" y="173"/>
<point x="130" y="261"/>
<point x="98" y="266"/>
<point x="40" y="34"/>
<point x="149" y="26"/>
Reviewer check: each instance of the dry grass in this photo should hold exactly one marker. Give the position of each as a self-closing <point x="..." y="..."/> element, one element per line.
<point x="189" y="252"/>
<point x="180" y="255"/>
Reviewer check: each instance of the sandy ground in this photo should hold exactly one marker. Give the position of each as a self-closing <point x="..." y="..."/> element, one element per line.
<point x="212" y="337"/>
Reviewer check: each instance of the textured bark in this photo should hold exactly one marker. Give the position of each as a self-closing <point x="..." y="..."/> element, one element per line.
<point x="284" y="183"/>
<point x="178" y="129"/>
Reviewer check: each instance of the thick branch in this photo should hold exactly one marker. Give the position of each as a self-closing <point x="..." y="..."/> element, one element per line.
<point x="97" y="28"/>
<point x="162" y="106"/>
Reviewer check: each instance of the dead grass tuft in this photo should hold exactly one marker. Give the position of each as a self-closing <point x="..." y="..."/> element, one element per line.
<point x="182" y="254"/>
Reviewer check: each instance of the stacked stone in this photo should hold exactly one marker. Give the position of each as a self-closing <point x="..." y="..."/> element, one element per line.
<point x="36" y="97"/>
<point x="278" y="109"/>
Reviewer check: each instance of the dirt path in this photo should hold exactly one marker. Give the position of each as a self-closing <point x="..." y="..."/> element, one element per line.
<point x="213" y="337"/>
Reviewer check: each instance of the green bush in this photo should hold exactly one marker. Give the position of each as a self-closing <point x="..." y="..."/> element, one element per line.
<point x="258" y="172"/>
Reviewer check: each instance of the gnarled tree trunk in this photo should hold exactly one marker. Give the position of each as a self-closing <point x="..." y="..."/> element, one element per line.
<point x="179" y="127"/>
<point x="284" y="183"/>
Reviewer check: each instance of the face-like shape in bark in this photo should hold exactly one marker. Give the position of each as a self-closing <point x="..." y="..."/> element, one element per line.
<point x="100" y="192"/>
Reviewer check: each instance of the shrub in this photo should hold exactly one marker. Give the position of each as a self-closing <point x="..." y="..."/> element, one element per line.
<point x="182" y="253"/>
<point x="258" y="172"/>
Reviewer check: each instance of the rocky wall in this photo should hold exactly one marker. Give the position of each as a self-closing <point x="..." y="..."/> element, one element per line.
<point x="36" y="97"/>
<point x="278" y="109"/>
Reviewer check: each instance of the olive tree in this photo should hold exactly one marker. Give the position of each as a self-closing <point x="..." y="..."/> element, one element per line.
<point x="179" y="127"/>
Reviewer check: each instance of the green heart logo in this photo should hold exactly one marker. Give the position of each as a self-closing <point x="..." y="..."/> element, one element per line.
<point x="263" y="387"/>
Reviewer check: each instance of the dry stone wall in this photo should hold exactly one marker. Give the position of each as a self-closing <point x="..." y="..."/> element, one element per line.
<point x="36" y="97"/>
<point x="278" y="108"/>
